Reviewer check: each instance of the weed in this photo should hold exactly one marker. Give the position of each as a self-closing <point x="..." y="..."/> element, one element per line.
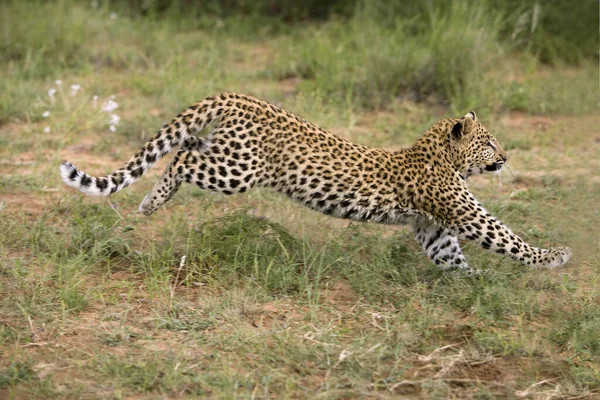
<point x="579" y="331"/>
<point x="16" y="372"/>
<point x="253" y="296"/>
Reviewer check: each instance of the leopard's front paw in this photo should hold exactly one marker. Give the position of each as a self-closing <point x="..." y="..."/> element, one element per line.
<point x="555" y="257"/>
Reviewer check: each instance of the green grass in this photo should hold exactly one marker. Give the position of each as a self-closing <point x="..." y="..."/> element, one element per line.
<point x="438" y="54"/>
<point x="248" y="287"/>
<point x="372" y="63"/>
<point x="251" y="295"/>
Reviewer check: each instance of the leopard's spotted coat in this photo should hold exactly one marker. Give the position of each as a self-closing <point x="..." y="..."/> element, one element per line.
<point x="254" y="143"/>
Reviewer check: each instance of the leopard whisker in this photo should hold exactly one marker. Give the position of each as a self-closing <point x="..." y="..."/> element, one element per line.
<point x="507" y="174"/>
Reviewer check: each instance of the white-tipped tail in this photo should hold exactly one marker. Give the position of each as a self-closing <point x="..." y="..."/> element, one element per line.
<point x="89" y="185"/>
<point x="189" y="121"/>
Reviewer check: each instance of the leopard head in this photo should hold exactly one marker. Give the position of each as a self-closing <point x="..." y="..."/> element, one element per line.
<point x="479" y="150"/>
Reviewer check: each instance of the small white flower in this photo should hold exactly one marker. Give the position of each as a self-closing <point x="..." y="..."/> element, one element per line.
<point x="58" y="82"/>
<point x="113" y="15"/>
<point x="95" y="101"/>
<point x="112" y="128"/>
<point x="74" y="89"/>
<point x="46" y="114"/>
<point x="343" y="355"/>
<point x="114" y="119"/>
<point x="51" y="93"/>
<point x="109" y="106"/>
<point x="94" y="4"/>
<point x="47" y="129"/>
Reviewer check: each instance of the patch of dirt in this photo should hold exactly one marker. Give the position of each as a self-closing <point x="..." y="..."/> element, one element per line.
<point x="518" y="120"/>
<point x="462" y="373"/>
<point x="272" y="313"/>
<point x="15" y="394"/>
<point x="367" y="132"/>
<point x="84" y="144"/>
<point x="25" y="158"/>
<point x="11" y="130"/>
<point x="80" y="155"/>
<point x="253" y="59"/>
<point x="289" y="86"/>
<point x="557" y="176"/>
<point x="484" y="370"/>
<point x="32" y="204"/>
<point x="341" y="296"/>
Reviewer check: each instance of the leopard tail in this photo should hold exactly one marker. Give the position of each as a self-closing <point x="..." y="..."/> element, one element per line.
<point x="190" y="121"/>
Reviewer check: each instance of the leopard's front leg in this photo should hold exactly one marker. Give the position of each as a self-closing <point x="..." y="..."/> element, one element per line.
<point x="440" y="245"/>
<point x="472" y="222"/>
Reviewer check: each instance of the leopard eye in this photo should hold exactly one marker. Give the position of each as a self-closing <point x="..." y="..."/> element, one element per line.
<point x="491" y="145"/>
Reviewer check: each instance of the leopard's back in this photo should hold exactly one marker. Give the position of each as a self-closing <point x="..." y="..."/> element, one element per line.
<point x="255" y="143"/>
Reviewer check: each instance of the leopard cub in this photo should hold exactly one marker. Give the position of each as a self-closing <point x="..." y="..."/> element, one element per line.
<point x="253" y="143"/>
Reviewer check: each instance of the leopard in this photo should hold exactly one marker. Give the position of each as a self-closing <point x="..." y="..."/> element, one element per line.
<point x="248" y="143"/>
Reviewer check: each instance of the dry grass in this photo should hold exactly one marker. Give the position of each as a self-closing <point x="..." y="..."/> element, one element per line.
<point x="253" y="296"/>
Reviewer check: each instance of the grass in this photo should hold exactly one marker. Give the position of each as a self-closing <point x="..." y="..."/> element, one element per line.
<point x="440" y="54"/>
<point x="372" y="63"/>
<point x="251" y="295"/>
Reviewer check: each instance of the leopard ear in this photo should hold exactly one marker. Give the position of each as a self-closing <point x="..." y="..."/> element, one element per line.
<point x="457" y="130"/>
<point x="464" y="126"/>
<point x="468" y="122"/>
<point x="471" y="114"/>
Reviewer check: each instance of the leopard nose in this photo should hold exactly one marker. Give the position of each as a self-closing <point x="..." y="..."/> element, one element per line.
<point x="504" y="158"/>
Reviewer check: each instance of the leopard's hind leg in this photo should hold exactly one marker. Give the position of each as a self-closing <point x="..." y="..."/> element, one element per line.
<point x="168" y="185"/>
<point x="204" y="165"/>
